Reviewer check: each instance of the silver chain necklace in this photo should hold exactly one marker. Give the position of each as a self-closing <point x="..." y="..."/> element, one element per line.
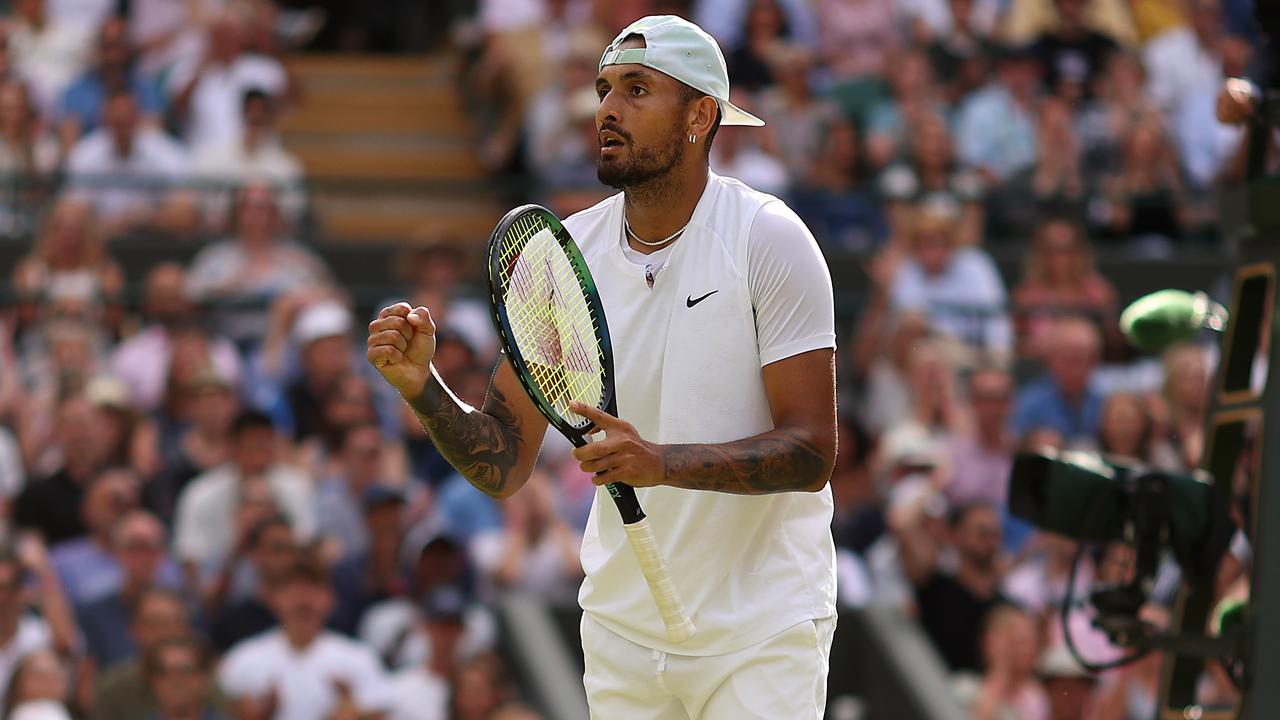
<point x="627" y="224"/>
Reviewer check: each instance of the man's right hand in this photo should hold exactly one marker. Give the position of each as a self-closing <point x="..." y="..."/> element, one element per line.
<point x="402" y="341"/>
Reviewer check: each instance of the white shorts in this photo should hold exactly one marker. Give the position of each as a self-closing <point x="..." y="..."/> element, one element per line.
<point x="784" y="676"/>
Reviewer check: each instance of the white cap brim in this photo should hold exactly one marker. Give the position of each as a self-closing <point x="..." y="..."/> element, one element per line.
<point x="731" y="114"/>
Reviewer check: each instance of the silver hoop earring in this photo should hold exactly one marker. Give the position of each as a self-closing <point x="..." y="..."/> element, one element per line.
<point x="693" y="138"/>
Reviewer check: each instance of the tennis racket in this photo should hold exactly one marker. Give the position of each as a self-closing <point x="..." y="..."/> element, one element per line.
<point x="551" y="323"/>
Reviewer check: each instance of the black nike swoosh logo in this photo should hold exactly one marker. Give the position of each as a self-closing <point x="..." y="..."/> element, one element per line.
<point x="689" y="301"/>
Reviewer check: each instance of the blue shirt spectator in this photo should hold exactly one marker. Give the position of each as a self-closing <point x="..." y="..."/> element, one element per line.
<point x="996" y="128"/>
<point x="85" y="99"/>
<point x="1064" y="399"/>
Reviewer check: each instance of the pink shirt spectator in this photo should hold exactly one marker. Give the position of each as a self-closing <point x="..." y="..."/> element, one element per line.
<point x="856" y="36"/>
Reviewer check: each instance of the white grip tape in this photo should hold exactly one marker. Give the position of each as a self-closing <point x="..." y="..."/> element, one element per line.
<point x="679" y="626"/>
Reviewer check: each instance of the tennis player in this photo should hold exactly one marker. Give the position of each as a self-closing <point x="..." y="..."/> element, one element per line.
<point x="719" y="306"/>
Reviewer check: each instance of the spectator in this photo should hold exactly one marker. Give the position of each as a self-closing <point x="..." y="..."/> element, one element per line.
<point x="435" y="275"/>
<point x="1145" y="197"/>
<point x="1057" y="181"/>
<point x="953" y="605"/>
<point x="726" y="20"/>
<point x="931" y="175"/>
<point x="208" y="92"/>
<point x="1186" y="57"/>
<point x="1010" y="650"/>
<point x="39" y="689"/>
<point x="766" y="31"/>
<point x="1064" y="400"/>
<point x="1071" y="54"/>
<point x="1104" y="121"/>
<point x="123" y="692"/>
<point x="961" y="47"/>
<point x="882" y="360"/>
<point x="1059" y="280"/>
<point x="178" y="676"/>
<point x="129" y="172"/>
<point x="130" y="438"/>
<point x="85" y="565"/>
<point x="1185" y="396"/>
<point x="799" y="115"/>
<point x="51" y="505"/>
<point x="1207" y="146"/>
<point x="752" y="157"/>
<point x="69" y="261"/>
<point x="240" y="276"/>
<point x="422" y="692"/>
<point x="49" y="52"/>
<point x="1125" y="429"/>
<point x="374" y="574"/>
<point x="479" y="689"/>
<point x="28" y="151"/>
<point x="206" y="508"/>
<point x="269" y="546"/>
<point x="857" y="38"/>
<point x="320" y="331"/>
<point x="138" y="543"/>
<point x="959" y="287"/>
<point x="308" y="671"/>
<point x="980" y="461"/>
<point x="357" y="469"/>
<point x="255" y="155"/>
<point x="144" y="360"/>
<point x="836" y="197"/>
<point x="537" y="552"/>
<point x="84" y="104"/>
<point x="996" y="127"/>
<point x="936" y="407"/>
<point x="893" y="123"/>
<point x="28" y="582"/>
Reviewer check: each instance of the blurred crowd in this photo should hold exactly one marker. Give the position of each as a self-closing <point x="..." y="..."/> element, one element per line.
<point x="211" y="507"/>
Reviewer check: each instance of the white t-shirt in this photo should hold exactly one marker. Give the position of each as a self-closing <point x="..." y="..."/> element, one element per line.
<point x="119" y="184"/>
<point x="216" y="114"/>
<point x="32" y="635"/>
<point x="966" y="300"/>
<point x="304" y="681"/>
<point x="204" y="521"/>
<point x="745" y="286"/>
<point x="418" y="695"/>
<point x="49" y="59"/>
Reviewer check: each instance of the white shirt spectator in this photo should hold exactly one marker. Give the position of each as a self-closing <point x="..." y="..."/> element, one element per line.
<point x="50" y="58"/>
<point x="205" y="516"/>
<point x="217" y="100"/>
<point x="966" y="300"/>
<point x="393" y="630"/>
<point x="498" y="16"/>
<point x="419" y="695"/>
<point x="119" y="185"/>
<point x="88" y="13"/>
<point x="172" y="32"/>
<point x="234" y="164"/>
<point x="32" y="635"/>
<point x="304" y="680"/>
<point x="1176" y="65"/>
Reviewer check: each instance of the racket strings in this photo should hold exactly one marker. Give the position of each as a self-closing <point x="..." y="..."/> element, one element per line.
<point x="554" y="327"/>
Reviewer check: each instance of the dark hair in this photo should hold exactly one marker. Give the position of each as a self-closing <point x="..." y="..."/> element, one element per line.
<point x="257" y="94"/>
<point x="254" y="536"/>
<point x="305" y="568"/>
<point x="251" y="420"/>
<point x="151" y="659"/>
<point x="957" y="514"/>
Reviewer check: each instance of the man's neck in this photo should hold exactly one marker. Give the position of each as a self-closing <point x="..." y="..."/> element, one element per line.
<point x="663" y="206"/>
<point x="299" y="640"/>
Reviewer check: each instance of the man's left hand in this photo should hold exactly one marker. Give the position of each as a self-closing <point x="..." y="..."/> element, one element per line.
<point x="623" y="456"/>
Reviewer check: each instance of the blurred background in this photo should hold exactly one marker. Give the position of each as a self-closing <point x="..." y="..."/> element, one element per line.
<point x="203" y="202"/>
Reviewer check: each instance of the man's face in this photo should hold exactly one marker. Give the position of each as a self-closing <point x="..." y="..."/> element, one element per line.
<point x="640" y="123"/>
<point x="1072" y="359"/>
<point x="274" y="551"/>
<point x="989" y="393"/>
<point x="164" y="298"/>
<point x="139" y="548"/>
<point x="121" y="119"/>
<point x="326" y="359"/>
<point x="255" y="450"/>
<point x="977" y="537"/>
<point x="180" y="684"/>
<point x="113" y="44"/>
<point x="362" y="452"/>
<point x="107" y="500"/>
<point x="302" y="605"/>
<point x="160" y="618"/>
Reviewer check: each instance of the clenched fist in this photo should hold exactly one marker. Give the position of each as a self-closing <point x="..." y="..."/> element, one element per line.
<point x="402" y="341"/>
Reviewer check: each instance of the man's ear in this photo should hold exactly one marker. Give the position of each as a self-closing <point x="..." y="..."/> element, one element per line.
<point x="703" y="113"/>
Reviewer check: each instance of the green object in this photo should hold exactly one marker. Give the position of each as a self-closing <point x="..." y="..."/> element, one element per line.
<point x="1167" y="317"/>
<point x="1229" y="616"/>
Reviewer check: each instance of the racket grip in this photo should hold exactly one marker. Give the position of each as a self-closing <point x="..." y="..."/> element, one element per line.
<point x="679" y="626"/>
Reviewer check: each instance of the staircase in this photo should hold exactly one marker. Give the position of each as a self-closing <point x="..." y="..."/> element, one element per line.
<point x="387" y="150"/>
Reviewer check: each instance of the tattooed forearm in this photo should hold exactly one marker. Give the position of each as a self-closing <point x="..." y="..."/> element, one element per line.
<point x="782" y="460"/>
<point x="483" y="445"/>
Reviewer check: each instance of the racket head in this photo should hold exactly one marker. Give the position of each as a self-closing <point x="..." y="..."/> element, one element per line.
<point x="549" y="318"/>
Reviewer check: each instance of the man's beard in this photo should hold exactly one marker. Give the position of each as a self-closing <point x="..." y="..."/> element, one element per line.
<point x="641" y="166"/>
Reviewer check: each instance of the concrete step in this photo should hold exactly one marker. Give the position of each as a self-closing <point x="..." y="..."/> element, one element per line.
<point x="401" y="219"/>
<point x="431" y="164"/>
